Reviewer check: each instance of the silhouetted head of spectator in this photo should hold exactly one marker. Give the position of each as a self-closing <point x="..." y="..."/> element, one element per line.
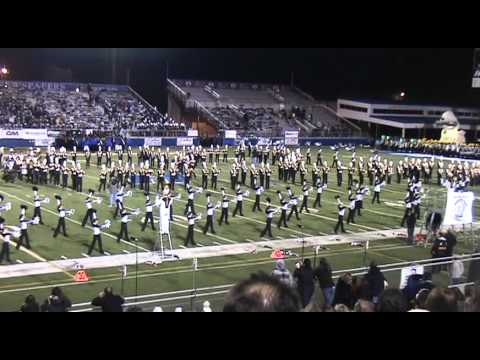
<point x="262" y="293"/>
<point x="442" y="300"/>
<point x="363" y="306"/>
<point x="392" y="301"/>
<point x="421" y="299"/>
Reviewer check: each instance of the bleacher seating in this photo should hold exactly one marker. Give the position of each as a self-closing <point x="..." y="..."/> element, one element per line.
<point x="265" y="108"/>
<point x="67" y="106"/>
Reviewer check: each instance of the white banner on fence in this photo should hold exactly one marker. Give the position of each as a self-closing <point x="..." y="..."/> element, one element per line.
<point x="153" y="141"/>
<point x="459" y="210"/>
<point x="182" y="141"/>
<point x="409" y="271"/>
<point x="291" y="138"/>
<point x="192" y="133"/>
<point x="25" y="134"/>
<point x="230" y="134"/>
<point x="44" y="142"/>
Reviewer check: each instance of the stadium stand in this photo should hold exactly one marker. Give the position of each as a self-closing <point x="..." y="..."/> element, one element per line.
<point x="264" y="109"/>
<point x="69" y="106"/>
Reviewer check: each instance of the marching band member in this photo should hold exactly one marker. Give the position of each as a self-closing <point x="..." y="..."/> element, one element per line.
<point x="97" y="236"/>
<point x="125" y="219"/>
<point x="191" y="218"/>
<point x="293" y="204"/>
<point x="62" y="213"/>
<point x="258" y="192"/>
<point x="210" y="213"/>
<point x="268" y="175"/>
<point x="103" y="179"/>
<point x="119" y="201"/>
<point x="239" y="196"/>
<point x="361" y="192"/>
<point x="204" y="176"/>
<point x="215" y="173"/>
<point x="284" y="206"/>
<point x="6" y="239"/>
<point x="225" y="203"/>
<point x="321" y="187"/>
<point x="341" y="215"/>
<point x="306" y="190"/>
<point x="89" y="205"/>
<point x="149" y="205"/>
<point x="379" y="183"/>
<point x="190" y="207"/>
<point x="24" y="222"/>
<point x="37" y="203"/>
<point x="351" y="208"/>
<point x="269" y="212"/>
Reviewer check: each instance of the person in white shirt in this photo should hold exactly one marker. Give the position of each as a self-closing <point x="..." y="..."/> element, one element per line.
<point x="306" y="190"/>
<point x="210" y="213"/>
<point x="239" y="196"/>
<point x="341" y="216"/>
<point x="258" y="192"/>
<point x="97" y="237"/>
<point x="225" y="203"/>
<point x="456" y="271"/>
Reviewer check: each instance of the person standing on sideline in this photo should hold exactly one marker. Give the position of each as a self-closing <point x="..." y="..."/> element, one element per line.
<point x="282" y="274"/>
<point x="305" y="284"/>
<point x="456" y="271"/>
<point x="323" y="273"/>
<point x="109" y="302"/>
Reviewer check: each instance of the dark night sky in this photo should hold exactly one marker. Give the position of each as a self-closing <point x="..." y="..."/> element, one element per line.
<point x="426" y="74"/>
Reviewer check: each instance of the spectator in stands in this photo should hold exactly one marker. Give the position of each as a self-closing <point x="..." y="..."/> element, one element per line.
<point x="56" y="302"/>
<point x="456" y="271"/>
<point x="282" y="274"/>
<point x="305" y="284"/>
<point x="472" y="298"/>
<point x="442" y="300"/>
<point x="262" y="293"/>
<point x="376" y="282"/>
<point x="344" y="292"/>
<point x="108" y="301"/>
<point x="323" y="273"/>
<point x="420" y="301"/>
<point x="30" y="305"/>
<point x="363" y="306"/>
<point x="474" y="269"/>
<point x="392" y="301"/>
<point x="341" y="308"/>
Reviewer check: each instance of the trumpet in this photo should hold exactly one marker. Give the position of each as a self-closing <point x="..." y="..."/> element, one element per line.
<point x="45" y="201"/>
<point x="107" y="224"/>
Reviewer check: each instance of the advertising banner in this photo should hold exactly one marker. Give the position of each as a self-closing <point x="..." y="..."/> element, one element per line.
<point x="181" y="141"/>
<point x="24" y="134"/>
<point x="154" y="141"/>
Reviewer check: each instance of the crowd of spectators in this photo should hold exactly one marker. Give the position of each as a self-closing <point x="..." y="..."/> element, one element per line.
<point x="431" y="147"/>
<point x="63" y="108"/>
<point x="284" y="291"/>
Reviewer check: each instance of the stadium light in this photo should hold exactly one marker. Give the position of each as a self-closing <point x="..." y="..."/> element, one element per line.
<point x="4" y="71"/>
<point x="402" y="94"/>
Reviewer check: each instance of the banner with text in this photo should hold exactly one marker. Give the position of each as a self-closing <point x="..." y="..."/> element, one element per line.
<point x="24" y="134"/>
<point x="155" y="142"/>
<point x="459" y="210"/>
<point x="182" y="141"/>
<point x="192" y="133"/>
<point x="291" y="138"/>
<point x="230" y="134"/>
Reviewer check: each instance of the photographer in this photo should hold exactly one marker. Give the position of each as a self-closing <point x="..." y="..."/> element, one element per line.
<point x="109" y="302"/>
<point x="56" y="302"/>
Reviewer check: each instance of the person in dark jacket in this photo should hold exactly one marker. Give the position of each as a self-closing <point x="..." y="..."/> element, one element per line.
<point x="344" y="292"/>
<point x="323" y="273"/>
<point x="376" y="282"/>
<point x="56" y="302"/>
<point x="474" y="269"/>
<point x="30" y="305"/>
<point x="109" y="302"/>
<point x="305" y="285"/>
<point x="392" y="301"/>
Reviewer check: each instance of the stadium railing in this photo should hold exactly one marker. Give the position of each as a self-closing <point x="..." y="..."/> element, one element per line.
<point x="172" y="298"/>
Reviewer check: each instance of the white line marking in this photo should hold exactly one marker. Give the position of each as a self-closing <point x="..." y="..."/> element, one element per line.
<point x="19" y="262"/>
<point x="63" y="258"/>
<point x="126" y="252"/>
<point x="85" y="255"/>
<point x="107" y="253"/>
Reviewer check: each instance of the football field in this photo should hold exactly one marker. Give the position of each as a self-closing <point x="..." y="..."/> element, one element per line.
<point x="216" y="272"/>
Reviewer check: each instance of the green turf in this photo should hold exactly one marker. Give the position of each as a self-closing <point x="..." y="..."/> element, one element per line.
<point x="375" y="217"/>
